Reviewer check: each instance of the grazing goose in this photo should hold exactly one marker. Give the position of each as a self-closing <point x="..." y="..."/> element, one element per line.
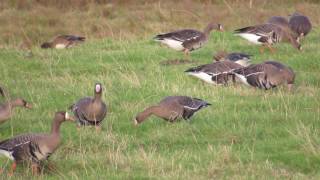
<point x="266" y="75"/>
<point x="300" y="24"/>
<point x="34" y="148"/>
<point x="279" y="21"/>
<point x="267" y="35"/>
<point x="91" y="110"/>
<point x="63" y="41"/>
<point x="216" y="73"/>
<point x="171" y="108"/>
<point x="239" y="58"/>
<point x="187" y="40"/>
<point x="6" y="109"/>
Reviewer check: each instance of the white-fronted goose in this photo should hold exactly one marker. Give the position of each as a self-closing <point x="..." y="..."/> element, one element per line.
<point x="171" y="108"/>
<point x="266" y="75"/>
<point x="239" y="58"/>
<point x="300" y="24"/>
<point x="63" y="41"/>
<point x="279" y="21"/>
<point x="91" y="110"/>
<point x="216" y="73"/>
<point x="6" y="109"/>
<point x="267" y="35"/>
<point x="34" y="148"/>
<point x="187" y="39"/>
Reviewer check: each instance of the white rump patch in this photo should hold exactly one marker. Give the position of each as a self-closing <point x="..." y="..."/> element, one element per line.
<point x="203" y="76"/>
<point x="60" y="46"/>
<point x="250" y="37"/>
<point x="8" y="154"/>
<point x="174" y="44"/>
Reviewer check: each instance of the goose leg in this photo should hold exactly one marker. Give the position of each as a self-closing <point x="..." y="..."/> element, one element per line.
<point x="35" y="168"/>
<point x="98" y="128"/>
<point x="186" y="53"/>
<point x="13" y="168"/>
<point x="261" y="49"/>
<point x="290" y="87"/>
<point x="272" y="50"/>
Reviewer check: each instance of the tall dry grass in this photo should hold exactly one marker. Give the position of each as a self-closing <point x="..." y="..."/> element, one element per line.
<point x="28" y="23"/>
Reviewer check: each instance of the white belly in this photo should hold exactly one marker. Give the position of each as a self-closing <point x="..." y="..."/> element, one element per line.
<point x="243" y="79"/>
<point x="60" y="46"/>
<point x="203" y="76"/>
<point x="251" y="37"/>
<point x="176" y="45"/>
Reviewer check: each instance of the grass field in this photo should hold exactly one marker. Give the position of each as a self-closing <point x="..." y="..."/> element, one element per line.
<point x="245" y="134"/>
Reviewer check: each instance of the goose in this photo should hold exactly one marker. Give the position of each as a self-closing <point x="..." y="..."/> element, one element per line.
<point x="300" y="24"/>
<point x="266" y="75"/>
<point x="215" y="73"/>
<point x="267" y="35"/>
<point x="63" y="41"/>
<point x="33" y="147"/>
<point x="237" y="57"/>
<point x="279" y="21"/>
<point x="172" y="108"/>
<point x="90" y="110"/>
<point x="187" y="40"/>
<point x="6" y="109"/>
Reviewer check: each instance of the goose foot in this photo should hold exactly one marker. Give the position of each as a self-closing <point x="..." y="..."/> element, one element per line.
<point x="261" y="49"/>
<point x="13" y="168"/>
<point x="186" y="53"/>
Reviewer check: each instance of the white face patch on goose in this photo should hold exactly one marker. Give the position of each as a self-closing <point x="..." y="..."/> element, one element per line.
<point x="98" y="88"/>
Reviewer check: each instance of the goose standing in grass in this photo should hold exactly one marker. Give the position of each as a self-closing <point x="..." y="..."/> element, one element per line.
<point x="34" y="148"/>
<point x="63" y="41"/>
<point x="239" y="58"/>
<point x="266" y="75"/>
<point x="6" y="109"/>
<point x="171" y="108"/>
<point x="300" y="24"/>
<point x="91" y="110"/>
<point x="187" y="40"/>
<point x="216" y="73"/>
<point x="279" y="21"/>
<point x="267" y="35"/>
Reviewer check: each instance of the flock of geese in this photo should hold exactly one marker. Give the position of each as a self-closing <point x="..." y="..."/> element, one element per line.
<point x="33" y="148"/>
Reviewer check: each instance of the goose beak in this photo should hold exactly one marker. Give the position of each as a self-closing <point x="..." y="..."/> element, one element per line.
<point x="70" y="117"/>
<point x="28" y="105"/>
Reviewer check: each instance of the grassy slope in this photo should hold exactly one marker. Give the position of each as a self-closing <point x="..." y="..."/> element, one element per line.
<point x="246" y="133"/>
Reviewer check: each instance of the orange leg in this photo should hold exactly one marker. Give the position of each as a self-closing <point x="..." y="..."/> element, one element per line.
<point x="35" y="168"/>
<point x="98" y="128"/>
<point x="186" y="53"/>
<point x="290" y="87"/>
<point x="272" y="50"/>
<point x="13" y="168"/>
<point x="261" y="49"/>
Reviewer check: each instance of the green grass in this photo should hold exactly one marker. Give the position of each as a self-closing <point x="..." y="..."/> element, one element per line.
<point x="246" y="134"/>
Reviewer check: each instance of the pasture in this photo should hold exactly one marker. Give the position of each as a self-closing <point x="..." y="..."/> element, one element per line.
<point x="247" y="133"/>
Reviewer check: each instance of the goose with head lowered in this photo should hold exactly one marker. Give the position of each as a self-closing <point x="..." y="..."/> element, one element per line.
<point x="63" y="41"/>
<point x="300" y="24"/>
<point x="187" y="40"/>
<point x="267" y="35"/>
<point x="34" y="147"/>
<point x="91" y="110"/>
<point x="6" y="109"/>
<point x="172" y="108"/>
<point x="266" y="75"/>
